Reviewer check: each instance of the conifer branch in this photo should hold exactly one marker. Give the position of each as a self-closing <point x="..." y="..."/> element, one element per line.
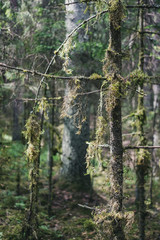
<point x="36" y="73"/>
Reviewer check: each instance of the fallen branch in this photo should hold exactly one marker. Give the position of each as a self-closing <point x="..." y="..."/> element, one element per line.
<point x="85" y="206"/>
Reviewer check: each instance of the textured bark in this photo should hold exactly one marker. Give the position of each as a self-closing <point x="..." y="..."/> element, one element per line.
<point x="151" y="66"/>
<point x="156" y="91"/>
<point x="74" y="145"/>
<point x="51" y="150"/>
<point x="30" y="229"/>
<point x="155" y="137"/>
<point x="16" y="132"/>
<point x="116" y="162"/>
<point x="141" y="165"/>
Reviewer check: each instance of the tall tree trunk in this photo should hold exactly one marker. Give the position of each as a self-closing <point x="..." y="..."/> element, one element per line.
<point x="16" y="136"/>
<point x="155" y="137"/>
<point x="153" y="66"/>
<point x="16" y="132"/>
<point x="113" y="71"/>
<point x="51" y="151"/>
<point x="74" y="145"/>
<point x="143" y="155"/>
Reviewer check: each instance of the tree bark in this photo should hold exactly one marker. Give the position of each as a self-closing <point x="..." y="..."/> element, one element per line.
<point x="114" y="65"/>
<point x="51" y="150"/>
<point x="142" y="157"/>
<point x="74" y="145"/>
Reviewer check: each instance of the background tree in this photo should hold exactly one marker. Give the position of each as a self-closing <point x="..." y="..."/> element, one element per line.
<point x="74" y="137"/>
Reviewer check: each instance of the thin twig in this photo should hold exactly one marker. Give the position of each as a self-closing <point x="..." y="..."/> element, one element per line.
<point x="143" y="6"/>
<point x="85" y="206"/>
<point x="56" y="98"/>
<point x="129" y="147"/>
<point x="139" y="147"/>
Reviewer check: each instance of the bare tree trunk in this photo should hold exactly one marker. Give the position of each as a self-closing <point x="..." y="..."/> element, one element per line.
<point x="152" y="66"/>
<point x="143" y="155"/>
<point x="74" y="145"/>
<point x="155" y="137"/>
<point x="16" y="132"/>
<point x="51" y="149"/>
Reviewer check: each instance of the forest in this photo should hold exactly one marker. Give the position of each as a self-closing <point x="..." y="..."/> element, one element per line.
<point x="79" y="120"/>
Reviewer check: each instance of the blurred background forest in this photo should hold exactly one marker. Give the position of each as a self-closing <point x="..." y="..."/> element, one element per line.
<point x="55" y="119"/>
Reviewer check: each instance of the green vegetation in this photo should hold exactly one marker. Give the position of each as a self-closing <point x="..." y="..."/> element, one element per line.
<point x="106" y="81"/>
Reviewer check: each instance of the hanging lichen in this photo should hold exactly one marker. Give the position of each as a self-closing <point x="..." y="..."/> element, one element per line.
<point x="137" y="78"/>
<point x="94" y="150"/>
<point x="106" y="221"/>
<point x="74" y="105"/>
<point x="32" y="134"/>
<point x="43" y="107"/>
<point x="64" y="54"/>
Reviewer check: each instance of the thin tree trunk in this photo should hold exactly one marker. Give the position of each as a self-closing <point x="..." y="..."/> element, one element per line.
<point x="16" y="132"/>
<point x="51" y="149"/>
<point x="143" y="155"/>
<point x="155" y="138"/>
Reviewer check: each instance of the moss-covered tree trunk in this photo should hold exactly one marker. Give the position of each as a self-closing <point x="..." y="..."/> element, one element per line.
<point x="113" y="71"/>
<point x="33" y="135"/>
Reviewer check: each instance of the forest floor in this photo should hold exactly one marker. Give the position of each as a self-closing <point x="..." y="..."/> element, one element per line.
<point x="71" y="217"/>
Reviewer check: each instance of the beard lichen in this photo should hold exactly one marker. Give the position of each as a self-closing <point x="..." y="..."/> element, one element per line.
<point x="137" y="78"/>
<point x="106" y="222"/>
<point x="74" y="105"/>
<point x="94" y="151"/>
<point x="32" y="135"/>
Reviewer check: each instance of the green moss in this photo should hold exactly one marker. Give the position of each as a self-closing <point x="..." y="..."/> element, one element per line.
<point x="137" y="77"/>
<point x="95" y="76"/>
<point x="143" y="160"/>
<point x="32" y="134"/>
<point x="116" y="11"/>
<point x="89" y="225"/>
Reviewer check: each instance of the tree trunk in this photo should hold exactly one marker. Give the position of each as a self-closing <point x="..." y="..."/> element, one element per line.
<point x="51" y="151"/>
<point x="74" y="145"/>
<point x="143" y="155"/>
<point x="155" y="137"/>
<point x="16" y="132"/>
<point x="113" y="71"/>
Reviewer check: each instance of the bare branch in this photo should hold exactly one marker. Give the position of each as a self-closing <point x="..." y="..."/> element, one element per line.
<point x="34" y="72"/>
<point x="139" y="147"/>
<point x="144" y="6"/>
<point x="85" y="206"/>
